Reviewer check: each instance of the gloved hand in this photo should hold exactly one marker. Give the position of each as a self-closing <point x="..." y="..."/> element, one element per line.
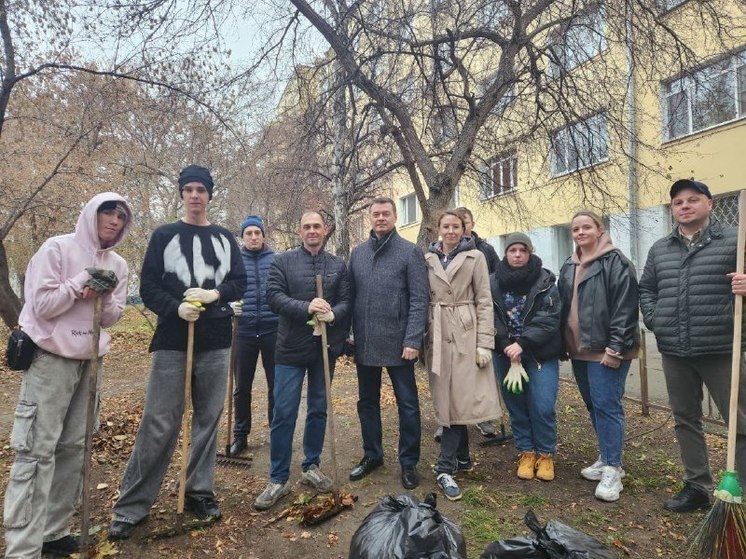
<point x="314" y="323"/>
<point x="237" y="307"/>
<point x="204" y="296"/>
<point x="325" y="316"/>
<point x="515" y="378"/>
<point x="101" y="281"/>
<point x="190" y="311"/>
<point x="483" y="358"/>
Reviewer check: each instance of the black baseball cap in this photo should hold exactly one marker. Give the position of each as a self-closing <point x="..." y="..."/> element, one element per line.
<point x="681" y="184"/>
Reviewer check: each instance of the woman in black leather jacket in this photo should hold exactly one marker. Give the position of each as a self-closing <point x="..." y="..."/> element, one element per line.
<point x="599" y="296"/>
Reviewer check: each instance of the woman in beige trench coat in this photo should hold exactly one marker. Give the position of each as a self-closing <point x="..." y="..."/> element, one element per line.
<point x="461" y="335"/>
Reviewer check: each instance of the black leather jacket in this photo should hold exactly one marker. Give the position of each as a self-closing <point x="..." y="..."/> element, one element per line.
<point x="607" y="303"/>
<point x="540" y="337"/>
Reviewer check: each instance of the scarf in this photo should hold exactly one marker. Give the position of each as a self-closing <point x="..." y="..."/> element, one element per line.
<point x="518" y="280"/>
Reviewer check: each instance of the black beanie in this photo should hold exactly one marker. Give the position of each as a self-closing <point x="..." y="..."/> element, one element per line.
<point x="195" y="173"/>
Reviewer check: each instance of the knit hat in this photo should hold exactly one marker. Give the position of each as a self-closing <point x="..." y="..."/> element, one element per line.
<point x="521" y="238"/>
<point x="254" y="220"/>
<point x="681" y="184"/>
<point x="195" y="173"/>
<point x="114" y="205"/>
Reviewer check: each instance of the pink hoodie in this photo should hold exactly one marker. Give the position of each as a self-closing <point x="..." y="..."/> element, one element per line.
<point x="54" y="315"/>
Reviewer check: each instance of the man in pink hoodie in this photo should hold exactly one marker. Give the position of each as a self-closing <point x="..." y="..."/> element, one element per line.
<point x="49" y="430"/>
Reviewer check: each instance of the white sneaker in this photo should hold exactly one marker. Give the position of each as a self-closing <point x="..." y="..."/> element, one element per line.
<point x="595" y="470"/>
<point x="610" y="486"/>
<point x="313" y="477"/>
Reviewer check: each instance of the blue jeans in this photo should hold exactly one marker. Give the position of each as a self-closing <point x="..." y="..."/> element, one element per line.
<point x="602" y="389"/>
<point x="287" y="392"/>
<point x="369" y="411"/>
<point x="532" y="413"/>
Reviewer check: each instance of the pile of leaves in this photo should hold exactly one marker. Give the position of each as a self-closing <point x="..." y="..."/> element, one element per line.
<point x="116" y="433"/>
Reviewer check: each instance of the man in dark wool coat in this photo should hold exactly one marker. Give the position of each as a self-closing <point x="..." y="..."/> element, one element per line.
<point x="390" y="297"/>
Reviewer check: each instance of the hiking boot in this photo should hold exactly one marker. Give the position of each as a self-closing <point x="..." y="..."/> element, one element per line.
<point x="271" y="494"/>
<point x="464" y="465"/>
<point x="595" y="470"/>
<point x="202" y="507"/>
<point x="238" y="446"/>
<point x="545" y="467"/>
<point x="527" y="465"/>
<point x="63" y="547"/>
<point x="449" y="486"/>
<point x="689" y="499"/>
<point x="487" y="429"/>
<point x="313" y="477"/>
<point x="610" y="486"/>
<point x="438" y="434"/>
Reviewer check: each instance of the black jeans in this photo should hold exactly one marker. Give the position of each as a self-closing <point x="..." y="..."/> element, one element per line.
<point x="454" y="445"/>
<point x="369" y="411"/>
<point x="248" y="349"/>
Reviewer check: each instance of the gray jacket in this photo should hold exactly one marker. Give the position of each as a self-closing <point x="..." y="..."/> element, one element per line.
<point x="685" y="295"/>
<point x="390" y="296"/>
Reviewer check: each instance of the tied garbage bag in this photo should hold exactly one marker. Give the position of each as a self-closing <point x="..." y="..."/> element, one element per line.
<point x="555" y="541"/>
<point x="403" y="528"/>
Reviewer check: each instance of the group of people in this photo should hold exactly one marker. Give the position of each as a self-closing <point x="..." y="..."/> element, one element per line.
<point x="482" y="325"/>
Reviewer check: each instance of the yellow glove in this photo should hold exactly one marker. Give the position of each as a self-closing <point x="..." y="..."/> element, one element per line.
<point x="515" y="377"/>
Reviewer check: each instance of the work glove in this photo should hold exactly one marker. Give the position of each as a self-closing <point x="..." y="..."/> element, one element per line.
<point x="325" y="316"/>
<point x="237" y="307"/>
<point x="204" y="296"/>
<point x="101" y="281"/>
<point x="515" y="378"/>
<point x="483" y="357"/>
<point x="315" y="324"/>
<point x="190" y="311"/>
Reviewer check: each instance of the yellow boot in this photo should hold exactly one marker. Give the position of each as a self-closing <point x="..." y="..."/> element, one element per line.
<point x="545" y="467"/>
<point x="527" y="465"/>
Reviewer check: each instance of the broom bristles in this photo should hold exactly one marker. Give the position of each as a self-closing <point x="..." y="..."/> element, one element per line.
<point x="722" y="534"/>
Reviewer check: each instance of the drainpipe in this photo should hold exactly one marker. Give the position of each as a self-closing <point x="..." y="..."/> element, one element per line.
<point x="631" y="140"/>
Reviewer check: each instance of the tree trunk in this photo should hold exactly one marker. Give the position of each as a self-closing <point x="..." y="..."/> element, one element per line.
<point x="339" y="192"/>
<point x="10" y="304"/>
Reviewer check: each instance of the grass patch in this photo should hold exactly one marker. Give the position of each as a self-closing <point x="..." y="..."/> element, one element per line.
<point x="533" y="501"/>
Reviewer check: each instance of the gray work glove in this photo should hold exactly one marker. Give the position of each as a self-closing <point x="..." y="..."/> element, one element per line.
<point x="101" y="281"/>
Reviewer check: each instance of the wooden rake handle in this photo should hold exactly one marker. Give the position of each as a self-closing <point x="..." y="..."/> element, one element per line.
<point x="186" y="420"/>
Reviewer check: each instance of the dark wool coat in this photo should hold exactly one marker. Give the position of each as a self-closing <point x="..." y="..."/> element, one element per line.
<point x="291" y="286"/>
<point x="390" y="298"/>
<point x="685" y="295"/>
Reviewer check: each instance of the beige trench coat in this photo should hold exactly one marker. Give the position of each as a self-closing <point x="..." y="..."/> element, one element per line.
<point x="460" y="320"/>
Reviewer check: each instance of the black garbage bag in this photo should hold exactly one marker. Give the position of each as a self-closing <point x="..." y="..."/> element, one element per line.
<point x="403" y="528"/>
<point x="555" y="541"/>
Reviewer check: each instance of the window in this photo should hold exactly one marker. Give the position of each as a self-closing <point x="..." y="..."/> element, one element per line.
<point x="501" y="176"/>
<point x="408" y="209"/>
<point x="580" y="145"/>
<point x="581" y="40"/>
<point x="707" y="98"/>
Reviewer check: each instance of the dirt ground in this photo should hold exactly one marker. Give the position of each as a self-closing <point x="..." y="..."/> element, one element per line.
<point x="494" y="502"/>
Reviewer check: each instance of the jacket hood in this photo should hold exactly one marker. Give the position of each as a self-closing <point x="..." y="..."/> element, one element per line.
<point x="605" y="246"/>
<point x="86" y="229"/>
<point x="466" y="243"/>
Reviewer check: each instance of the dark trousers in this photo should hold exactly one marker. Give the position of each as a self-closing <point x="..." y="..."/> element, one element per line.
<point x="454" y="445"/>
<point x="369" y="411"/>
<point x="248" y="349"/>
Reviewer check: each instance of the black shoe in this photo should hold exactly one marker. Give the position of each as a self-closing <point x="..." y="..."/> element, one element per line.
<point x="202" y="507"/>
<point x="63" y="547"/>
<point x="366" y="466"/>
<point x="689" y="499"/>
<point x="120" y="530"/>
<point x="238" y="446"/>
<point x="409" y="477"/>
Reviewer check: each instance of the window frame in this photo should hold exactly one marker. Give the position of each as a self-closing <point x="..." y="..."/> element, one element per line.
<point x="572" y="145"/>
<point x="568" y="46"/>
<point x="506" y="161"/>
<point x="404" y="217"/>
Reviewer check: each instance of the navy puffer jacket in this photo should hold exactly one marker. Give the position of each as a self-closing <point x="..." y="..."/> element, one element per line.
<point x="257" y="319"/>
<point x="685" y="295"/>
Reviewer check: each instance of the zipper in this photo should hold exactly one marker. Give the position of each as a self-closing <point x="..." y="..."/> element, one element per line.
<point x="258" y="294"/>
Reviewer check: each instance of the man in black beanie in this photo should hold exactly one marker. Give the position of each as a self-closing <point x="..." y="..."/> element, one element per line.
<point x="192" y="269"/>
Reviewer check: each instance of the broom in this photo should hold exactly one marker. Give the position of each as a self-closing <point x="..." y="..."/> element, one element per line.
<point x="722" y="534"/>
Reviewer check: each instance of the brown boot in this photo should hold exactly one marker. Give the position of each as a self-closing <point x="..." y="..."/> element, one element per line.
<point x="527" y="465"/>
<point x="545" y="467"/>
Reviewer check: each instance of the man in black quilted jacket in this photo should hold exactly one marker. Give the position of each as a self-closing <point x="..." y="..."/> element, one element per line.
<point x="291" y="294"/>
<point x="686" y="297"/>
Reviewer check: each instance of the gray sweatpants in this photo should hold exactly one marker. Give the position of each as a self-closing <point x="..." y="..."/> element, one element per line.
<point x="684" y="378"/>
<point x="159" y="430"/>
<point x="49" y="440"/>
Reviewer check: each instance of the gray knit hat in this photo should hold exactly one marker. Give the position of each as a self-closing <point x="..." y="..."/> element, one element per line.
<point x="522" y="238"/>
